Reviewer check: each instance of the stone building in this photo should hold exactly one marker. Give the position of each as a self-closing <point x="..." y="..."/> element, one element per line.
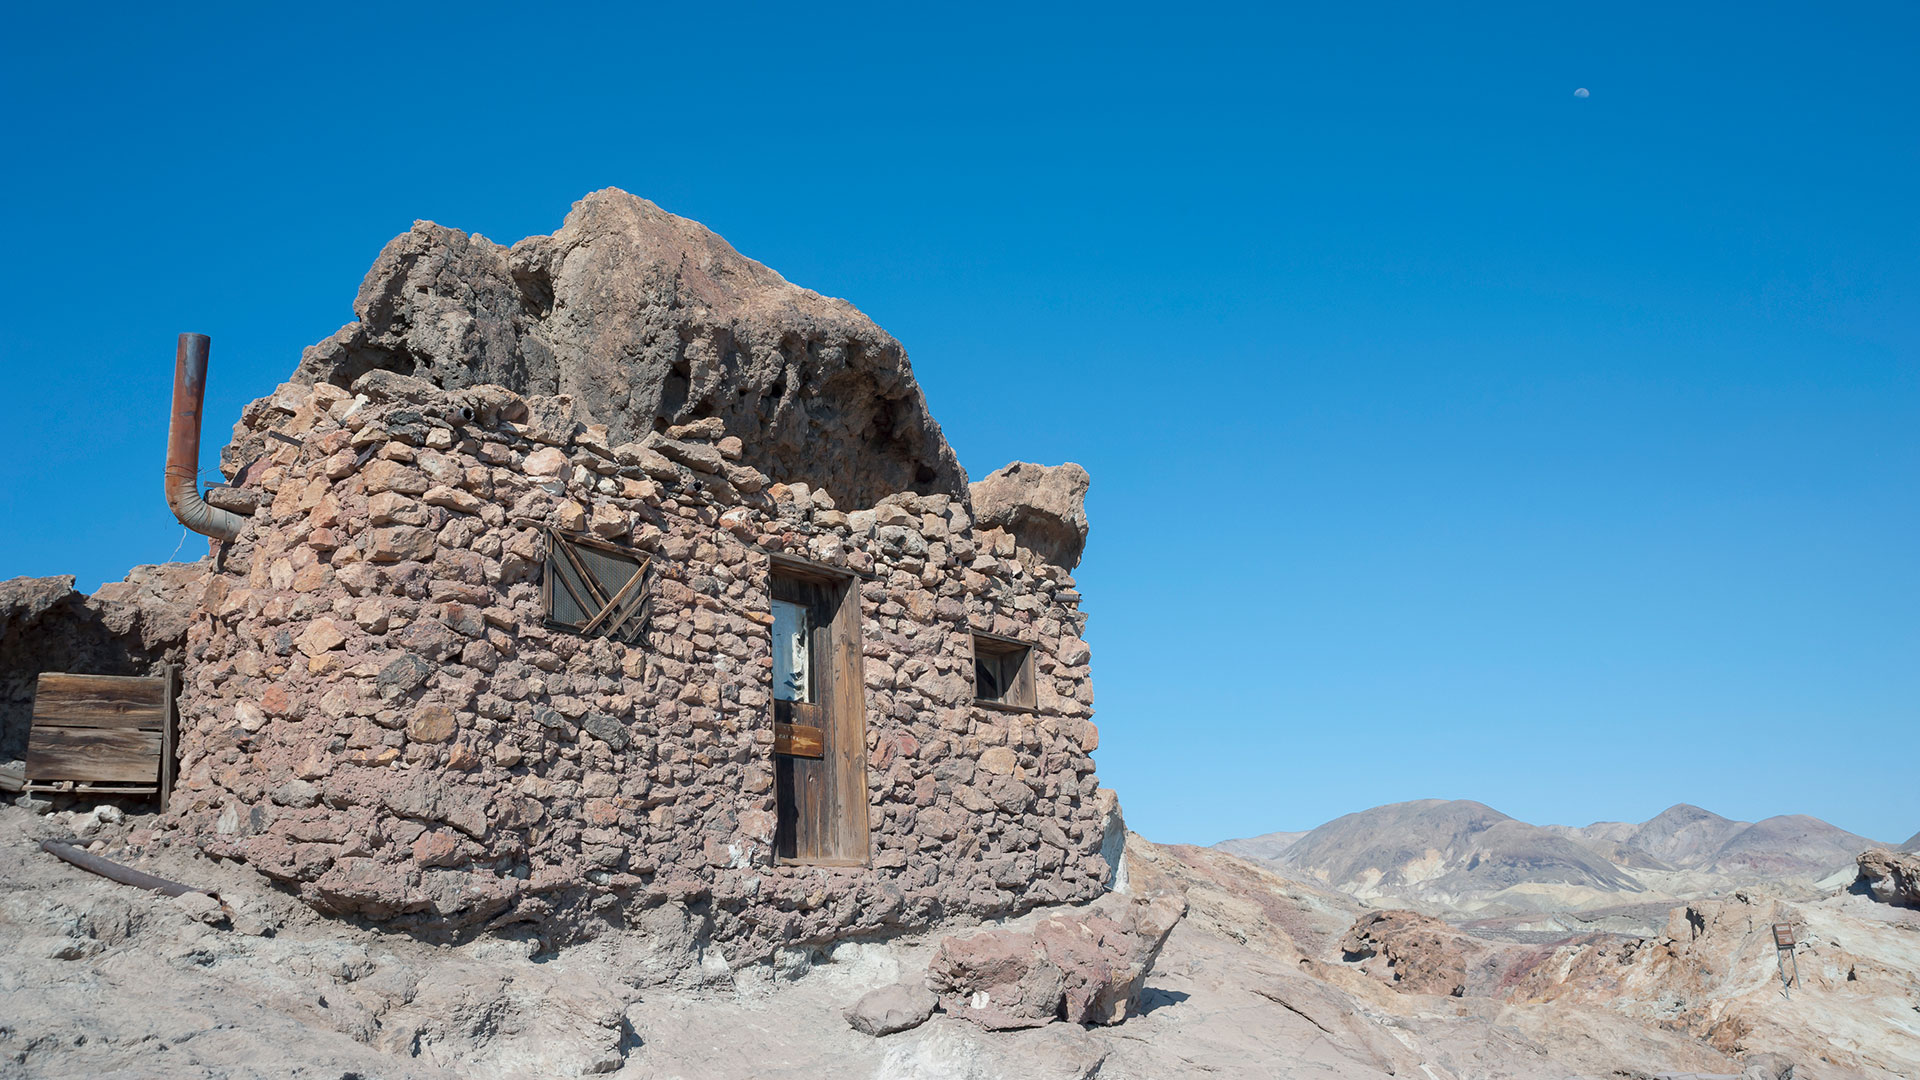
<point x="610" y="573"/>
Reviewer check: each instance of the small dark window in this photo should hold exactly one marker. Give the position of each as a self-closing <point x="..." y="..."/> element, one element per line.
<point x="594" y="588"/>
<point x="1002" y="672"/>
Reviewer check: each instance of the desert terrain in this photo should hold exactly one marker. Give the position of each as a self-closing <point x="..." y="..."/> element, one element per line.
<point x="1266" y="976"/>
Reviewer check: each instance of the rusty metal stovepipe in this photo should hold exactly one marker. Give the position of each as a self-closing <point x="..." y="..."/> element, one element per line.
<point x="183" y="445"/>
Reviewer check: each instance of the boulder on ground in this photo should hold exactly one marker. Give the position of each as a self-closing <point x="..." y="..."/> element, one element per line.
<point x="1044" y="507"/>
<point x="201" y="906"/>
<point x="1891" y="877"/>
<point x="1085" y="968"/>
<point x="1413" y="953"/>
<point x="891" y="1008"/>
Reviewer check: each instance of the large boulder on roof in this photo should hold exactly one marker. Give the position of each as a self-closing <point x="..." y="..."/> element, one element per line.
<point x="1044" y="507"/>
<point x="648" y="320"/>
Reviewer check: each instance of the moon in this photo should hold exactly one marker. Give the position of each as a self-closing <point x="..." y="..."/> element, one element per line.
<point x="1582" y="92"/>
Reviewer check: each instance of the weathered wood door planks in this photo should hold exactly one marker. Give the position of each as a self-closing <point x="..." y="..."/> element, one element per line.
<point x="820" y="746"/>
<point x="107" y="733"/>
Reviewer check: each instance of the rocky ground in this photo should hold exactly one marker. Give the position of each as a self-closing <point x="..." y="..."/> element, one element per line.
<point x="1261" y="979"/>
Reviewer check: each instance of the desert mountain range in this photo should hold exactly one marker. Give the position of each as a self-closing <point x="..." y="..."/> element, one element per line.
<point x="1463" y="859"/>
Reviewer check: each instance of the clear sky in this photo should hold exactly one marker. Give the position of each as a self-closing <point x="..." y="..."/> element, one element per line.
<point x="1452" y="435"/>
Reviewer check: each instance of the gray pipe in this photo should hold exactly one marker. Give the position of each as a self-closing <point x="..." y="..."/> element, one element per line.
<point x="183" y="445"/>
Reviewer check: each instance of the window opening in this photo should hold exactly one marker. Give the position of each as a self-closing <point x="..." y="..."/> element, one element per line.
<point x="792" y="652"/>
<point x="593" y="588"/>
<point x="1002" y="672"/>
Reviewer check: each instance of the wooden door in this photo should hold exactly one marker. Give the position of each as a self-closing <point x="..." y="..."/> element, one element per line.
<point x="820" y="741"/>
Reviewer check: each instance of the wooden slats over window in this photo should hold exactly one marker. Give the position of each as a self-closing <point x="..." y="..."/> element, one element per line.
<point x="594" y="588"/>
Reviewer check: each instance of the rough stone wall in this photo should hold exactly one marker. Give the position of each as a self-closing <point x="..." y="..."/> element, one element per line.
<point x="374" y="715"/>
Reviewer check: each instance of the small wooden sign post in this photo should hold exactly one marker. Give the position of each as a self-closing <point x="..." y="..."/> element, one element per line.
<point x="1783" y="946"/>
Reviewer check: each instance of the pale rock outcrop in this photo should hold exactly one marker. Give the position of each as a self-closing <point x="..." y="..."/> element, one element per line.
<point x="1043" y="506"/>
<point x="1890" y="877"/>
<point x="645" y="320"/>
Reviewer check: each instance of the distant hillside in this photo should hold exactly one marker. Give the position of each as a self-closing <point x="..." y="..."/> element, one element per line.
<point x="1465" y="858"/>
<point x="1447" y="853"/>
<point x="1788" y="846"/>
<point x="1912" y="844"/>
<point x="1680" y="836"/>
<point x="1266" y="846"/>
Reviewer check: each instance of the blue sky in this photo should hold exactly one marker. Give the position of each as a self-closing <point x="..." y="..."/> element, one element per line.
<point x="1451" y="436"/>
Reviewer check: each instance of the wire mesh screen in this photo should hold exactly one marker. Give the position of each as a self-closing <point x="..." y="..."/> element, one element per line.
<point x="595" y="589"/>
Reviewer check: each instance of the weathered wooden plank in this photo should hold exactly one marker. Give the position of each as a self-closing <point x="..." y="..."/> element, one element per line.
<point x="97" y="754"/>
<point x="68" y="787"/>
<point x="786" y="807"/>
<point x="168" y="756"/>
<point x="12" y="777"/>
<point x="114" y="701"/>
<point x="1023" y="693"/>
<point x="145" y="690"/>
<point x="810" y="778"/>
<point x="799" y="712"/>
<point x="847" y="734"/>
<point x="585" y="575"/>
<point x="800" y="740"/>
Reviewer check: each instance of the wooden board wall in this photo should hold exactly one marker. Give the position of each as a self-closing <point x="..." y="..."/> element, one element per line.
<point x="101" y="729"/>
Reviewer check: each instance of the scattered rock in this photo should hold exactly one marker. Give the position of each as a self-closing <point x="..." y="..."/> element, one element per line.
<point x="892" y="1008"/>
<point x="320" y="636"/>
<point x="432" y="724"/>
<point x="546" y="461"/>
<point x="402" y="673"/>
<point x="1413" y="953"/>
<point x="606" y="728"/>
<point x="202" y="907"/>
